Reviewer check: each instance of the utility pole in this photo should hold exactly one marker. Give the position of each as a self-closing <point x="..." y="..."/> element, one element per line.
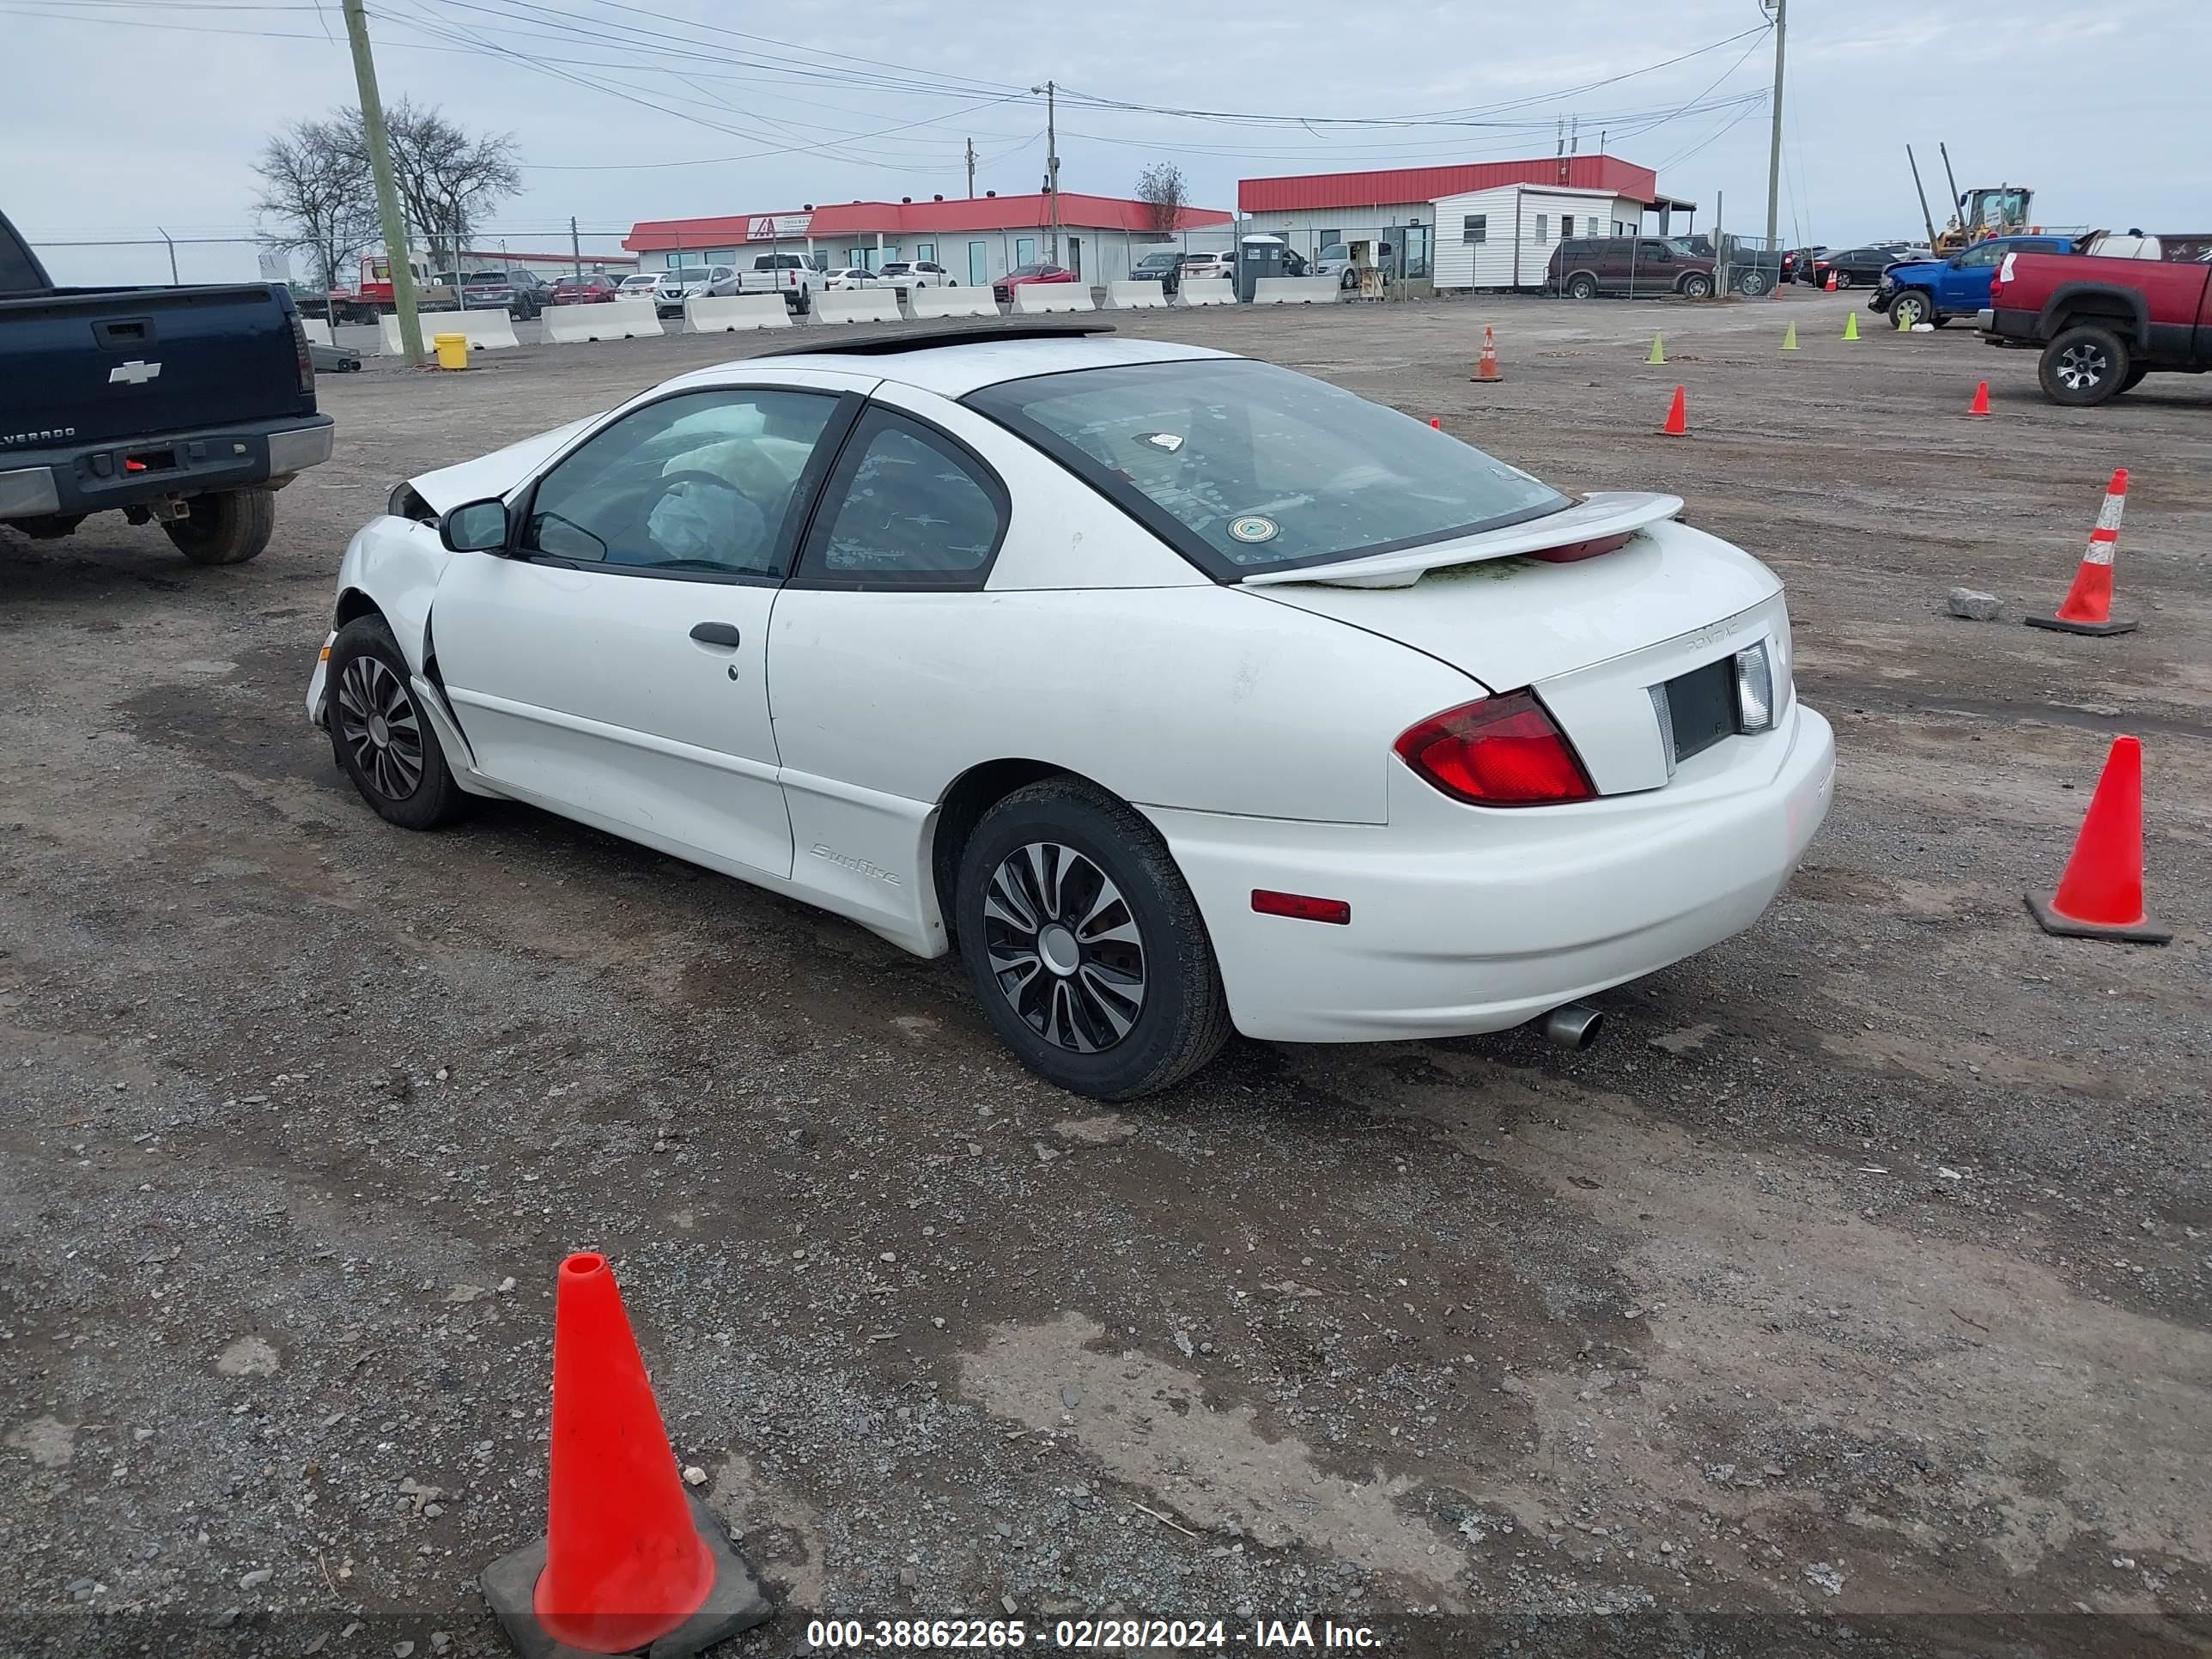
<point x="1051" y="162"/>
<point x="575" y="248"/>
<point x="387" y="193"/>
<point x="1781" y="11"/>
<point x="971" y="169"/>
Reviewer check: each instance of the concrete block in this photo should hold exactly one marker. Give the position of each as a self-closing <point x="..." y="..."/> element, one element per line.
<point x="735" y="313"/>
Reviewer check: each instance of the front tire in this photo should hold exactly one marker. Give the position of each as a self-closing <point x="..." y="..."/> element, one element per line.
<point x="2083" y="366"/>
<point x="1753" y="285"/>
<point x="1084" y="945"/>
<point x="1911" y="307"/>
<point x="379" y="735"/>
<point x="229" y="528"/>
<point x="1582" y="288"/>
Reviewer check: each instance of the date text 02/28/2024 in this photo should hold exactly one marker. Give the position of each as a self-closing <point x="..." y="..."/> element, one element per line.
<point x="1090" y="1635"/>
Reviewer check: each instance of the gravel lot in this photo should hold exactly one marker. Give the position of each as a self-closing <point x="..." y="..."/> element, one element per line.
<point x="1855" y="1284"/>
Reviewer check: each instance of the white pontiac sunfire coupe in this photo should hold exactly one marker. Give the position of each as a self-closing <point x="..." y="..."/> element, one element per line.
<point x="1176" y="691"/>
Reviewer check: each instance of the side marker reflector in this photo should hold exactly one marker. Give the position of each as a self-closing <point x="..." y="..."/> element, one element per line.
<point x="1301" y="907"/>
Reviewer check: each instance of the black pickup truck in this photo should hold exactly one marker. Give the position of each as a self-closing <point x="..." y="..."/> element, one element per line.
<point x="191" y="406"/>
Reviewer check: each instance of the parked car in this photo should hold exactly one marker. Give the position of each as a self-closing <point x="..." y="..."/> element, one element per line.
<point x="1797" y="263"/>
<point x="1161" y="265"/>
<point x="904" y="274"/>
<point x="1752" y="269"/>
<point x="497" y="290"/>
<point x="682" y="283"/>
<point x="1861" y="267"/>
<point x="796" y="276"/>
<point x="185" y="407"/>
<point x="1208" y="267"/>
<point x="640" y="285"/>
<point x="1936" y="290"/>
<point x="1335" y="259"/>
<point x="595" y="288"/>
<point x="2103" y="323"/>
<point x="1394" y="808"/>
<point x="1020" y="275"/>
<point x="1638" y="267"/>
<point x="851" y="277"/>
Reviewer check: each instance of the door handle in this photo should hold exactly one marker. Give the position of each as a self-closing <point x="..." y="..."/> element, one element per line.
<point x="716" y="633"/>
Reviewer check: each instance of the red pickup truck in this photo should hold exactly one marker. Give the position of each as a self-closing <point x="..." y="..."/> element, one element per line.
<point x="2102" y="322"/>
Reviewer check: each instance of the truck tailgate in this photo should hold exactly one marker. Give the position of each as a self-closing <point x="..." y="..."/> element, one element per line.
<point x="92" y="364"/>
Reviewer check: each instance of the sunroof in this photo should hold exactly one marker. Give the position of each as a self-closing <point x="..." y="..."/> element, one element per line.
<point x="921" y="339"/>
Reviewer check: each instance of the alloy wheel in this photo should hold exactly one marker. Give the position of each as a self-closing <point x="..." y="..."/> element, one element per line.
<point x="1064" y="947"/>
<point x="2081" y="366"/>
<point x="379" y="728"/>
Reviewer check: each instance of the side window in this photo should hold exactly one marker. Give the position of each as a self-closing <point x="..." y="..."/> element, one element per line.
<point x="703" y="483"/>
<point x="1986" y="255"/>
<point x="1657" y="253"/>
<point x="906" y="508"/>
<point x="1473" y="228"/>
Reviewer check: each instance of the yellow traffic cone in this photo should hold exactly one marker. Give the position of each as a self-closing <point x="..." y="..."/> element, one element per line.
<point x="1904" y="322"/>
<point x="1851" y="326"/>
<point x="1789" y="337"/>
<point x="1658" y="351"/>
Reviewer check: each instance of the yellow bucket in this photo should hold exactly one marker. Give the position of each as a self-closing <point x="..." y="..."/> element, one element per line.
<point x="452" y="350"/>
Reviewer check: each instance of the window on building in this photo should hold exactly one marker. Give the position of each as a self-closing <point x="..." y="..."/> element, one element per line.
<point x="1566" y="225"/>
<point x="1543" y="228"/>
<point x="925" y="251"/>
<point x="1024" y="250"/>
<point x="1476" y="228"/>
<point x="1327" y="238"/>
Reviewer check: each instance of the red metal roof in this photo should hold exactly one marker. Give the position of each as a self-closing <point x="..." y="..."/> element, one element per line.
<point x="834" y="219"/>
<point x="1397" y="186"/>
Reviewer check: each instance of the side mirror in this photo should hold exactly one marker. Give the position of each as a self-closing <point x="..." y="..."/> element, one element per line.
<point x="475" y="527"/>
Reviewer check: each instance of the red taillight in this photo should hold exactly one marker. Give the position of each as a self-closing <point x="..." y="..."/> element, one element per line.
<point x="1301" y="907"/>
<point x="1502" y="752"/>
<point x="1574" y="551"/>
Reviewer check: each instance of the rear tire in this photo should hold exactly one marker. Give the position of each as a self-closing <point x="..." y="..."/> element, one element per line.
<point x="1753" y="285"/>
<point x="380" y="737"/>
<point x="2083" y="366"/>
<point x="1084" y="945"/>
<point x="229" y="528"/>
<point x="1695" y="287"/>
<point x="1842" y="280"/>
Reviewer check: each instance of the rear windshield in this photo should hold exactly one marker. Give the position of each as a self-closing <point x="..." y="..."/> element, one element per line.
<point x="1244" y="466"/>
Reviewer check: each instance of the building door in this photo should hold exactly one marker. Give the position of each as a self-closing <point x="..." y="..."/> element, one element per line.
<point x="1024" y="250"/>
<point x="1075" y="254"/>
<point x="1417" y="251"/>
<point x="979" y="263"/>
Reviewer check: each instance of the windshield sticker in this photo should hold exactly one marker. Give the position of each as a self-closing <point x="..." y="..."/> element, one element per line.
<point x="1171" y="442"/>
<point x="1253" y="528"/>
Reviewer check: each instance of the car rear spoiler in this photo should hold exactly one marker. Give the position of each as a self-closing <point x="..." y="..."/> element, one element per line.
<point x="1604" y="516"/>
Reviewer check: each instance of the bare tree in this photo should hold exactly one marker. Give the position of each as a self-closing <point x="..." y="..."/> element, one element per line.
<point x="1161" y="188"/>
<point x="316" y="198"/>
<point x="448" y="180"/>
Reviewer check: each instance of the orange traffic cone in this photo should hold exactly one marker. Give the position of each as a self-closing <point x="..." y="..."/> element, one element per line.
<point x="1678" y="417"/>
<point x="628" y="1560"/>
<point x="2088" y="606"/>
<point x="1486" y="367"/>
<point x="2101" y="894"/>
<point x="1980" y="407"/>
<point x="1832" y="281"/>
<point x="1436" y="424"/>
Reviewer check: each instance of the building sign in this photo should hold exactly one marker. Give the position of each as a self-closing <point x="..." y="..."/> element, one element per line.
<point x="776" y="227"/>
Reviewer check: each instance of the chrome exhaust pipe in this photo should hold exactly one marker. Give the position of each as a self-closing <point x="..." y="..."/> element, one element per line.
<point x="1573" y="1025"/>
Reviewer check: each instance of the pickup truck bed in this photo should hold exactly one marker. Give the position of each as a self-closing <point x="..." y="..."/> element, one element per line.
<point x="2104" y="323"/>
<point x="188" y="405"/>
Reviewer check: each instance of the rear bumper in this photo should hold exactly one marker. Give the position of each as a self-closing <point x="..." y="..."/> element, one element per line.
<point x="1985" y="320"/>
<point x="95" y="478"/>
<point x="2012" y="326"/>
<point x="1489" y="919"/>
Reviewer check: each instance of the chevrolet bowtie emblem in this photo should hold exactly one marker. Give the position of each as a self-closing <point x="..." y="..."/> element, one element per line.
<point x="136" y="372"/>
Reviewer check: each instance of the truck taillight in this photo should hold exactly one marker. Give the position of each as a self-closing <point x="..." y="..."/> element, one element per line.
<point x="306" y="357"/>
<point x="1502" y="752"/>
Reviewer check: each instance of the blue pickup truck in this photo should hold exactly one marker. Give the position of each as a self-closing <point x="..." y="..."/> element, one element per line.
<point x="1936" y="290"/>
<point x="188" y="407"/>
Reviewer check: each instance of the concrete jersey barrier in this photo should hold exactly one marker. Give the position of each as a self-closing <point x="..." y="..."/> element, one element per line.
<point x="927" y="302"/>
<point x="317" y="331"/>
<point x="1135" y="296"/>
<point x="619" y="320"/>
<point x="1042" y="299"/>
<point x="1295" y="291"/>
<point x="485" y="331"/>
<point x="733" y="313"/>
<point x="857" y="305"/>
<point x="1208" y="291"/>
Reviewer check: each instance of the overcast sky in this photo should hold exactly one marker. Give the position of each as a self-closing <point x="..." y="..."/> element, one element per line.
<point x="119" y="117"/>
